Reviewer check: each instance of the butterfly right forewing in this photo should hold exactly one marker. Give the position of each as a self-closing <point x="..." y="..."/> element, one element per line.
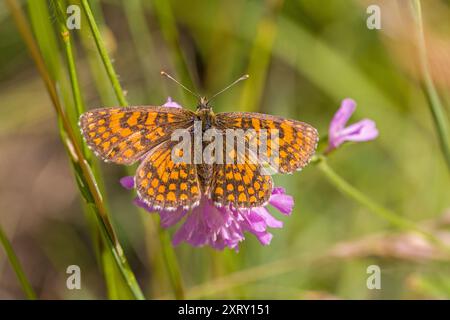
<point x="125" y="135"/>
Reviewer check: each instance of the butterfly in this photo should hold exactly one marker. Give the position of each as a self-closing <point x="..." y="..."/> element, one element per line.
<point x="126" y="135"/>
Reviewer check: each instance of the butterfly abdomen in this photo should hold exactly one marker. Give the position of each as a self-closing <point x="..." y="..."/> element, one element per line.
<point x="205" y="169"/>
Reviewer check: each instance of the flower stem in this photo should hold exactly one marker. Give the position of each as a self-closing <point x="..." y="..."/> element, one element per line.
<point x="15" y="264"/>
<point x="171" y="262"/>
<point x="434" y="101"/>
<point x="90" y="189"/>
<point x="386" y="214"/>
<point x="104" y="54"/>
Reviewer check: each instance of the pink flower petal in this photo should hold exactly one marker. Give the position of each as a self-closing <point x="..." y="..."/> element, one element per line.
<point x="171" y="104"/>
<point x="343" y="114"/>
<point x="364" y="130"/>
<point x="282" y="202"/>
<point x="127" y="182"/>
<point x="269" y="220"/>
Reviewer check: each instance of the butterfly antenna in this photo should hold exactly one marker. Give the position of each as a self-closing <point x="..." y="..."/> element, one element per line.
<point x="163" y="73"/>
<point x="244" y="77"/>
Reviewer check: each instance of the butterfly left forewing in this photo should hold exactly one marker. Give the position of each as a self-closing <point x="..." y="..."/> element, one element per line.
<point x="289" y="144"/>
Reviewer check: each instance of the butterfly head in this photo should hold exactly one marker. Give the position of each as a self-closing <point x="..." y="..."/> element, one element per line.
<point x="203" y="104"/>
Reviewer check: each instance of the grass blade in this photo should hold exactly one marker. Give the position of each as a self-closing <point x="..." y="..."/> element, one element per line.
<point x="104" y="54"/>
<point x="17" y="267"/>
<point x="434" y="101"/>
<point x="86" y="176"/>
<point x="167" y="250"/>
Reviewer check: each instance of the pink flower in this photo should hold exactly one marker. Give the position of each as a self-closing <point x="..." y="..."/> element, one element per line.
<point x="220" y="227"/>
<point x="171" y="103"/>
<point x="363" y="130"/>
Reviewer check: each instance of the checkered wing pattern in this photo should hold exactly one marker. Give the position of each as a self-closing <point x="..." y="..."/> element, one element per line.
<point x="296" y="141"/>
<point x="244" y="184"/>
<point x="167" y="184"/>
<point x="125" y="135"/>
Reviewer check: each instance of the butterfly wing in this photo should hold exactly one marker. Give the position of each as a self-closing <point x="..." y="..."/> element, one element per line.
<point x="125" y="135"/>
<point x="244" y="183"/>
<point x="240" y="185"/>
<point x="294" y="141"/>
<point x="167" y="184"/>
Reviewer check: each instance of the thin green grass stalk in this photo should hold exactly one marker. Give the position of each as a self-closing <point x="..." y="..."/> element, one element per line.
<point x="76" y="93"/>
<point x="85" y="176"/>
<point x="166" y="19"/>
<point x="98" y="72"/>
<point x="171" y="262"/>
<point x="104" y="54"/>
<point x="159" y="279"/>
<point x="111" y="273"/>
<point x="434" y="102"/>
<point x="393" y="218"/>
<point x="260" y="56"/>
<point x="43" y="16"/>
<point x="16" y="266"/>
<point x="167" y="249"/>
<point x="65" y="36"/>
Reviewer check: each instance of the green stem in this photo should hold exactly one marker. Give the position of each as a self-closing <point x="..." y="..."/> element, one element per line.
<point x="168" y="252"/>
<point x="15" y="264"/>
<point x="171" y="262"/>
<point x="65" y="35"/>
<point x="78" y="100"/>
<point x="76" y="152"/>
<point x="104" y="54"/>
<point x="111" y="273"/>
<point x="434" y="102"/>
<point x="386" y="214"/>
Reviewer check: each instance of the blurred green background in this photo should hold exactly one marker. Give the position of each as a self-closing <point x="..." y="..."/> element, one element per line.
<point x="303" y="58"/>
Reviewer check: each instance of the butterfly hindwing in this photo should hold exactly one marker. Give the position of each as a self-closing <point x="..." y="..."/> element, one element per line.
<point x="125" y="135"/>
<point x="240" y="185"/>
<point x="167" y="184"/>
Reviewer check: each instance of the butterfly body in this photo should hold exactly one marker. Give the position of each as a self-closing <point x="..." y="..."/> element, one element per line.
<point x="205" y="115"/>
<point x="145" y="134"/>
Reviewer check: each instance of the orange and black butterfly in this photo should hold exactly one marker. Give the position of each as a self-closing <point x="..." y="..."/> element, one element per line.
<point x="126" y="135"/>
